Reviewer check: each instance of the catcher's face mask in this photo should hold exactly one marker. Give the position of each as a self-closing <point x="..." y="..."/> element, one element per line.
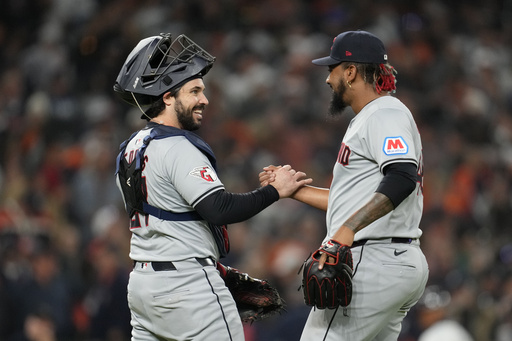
<point x="159" y="64"/>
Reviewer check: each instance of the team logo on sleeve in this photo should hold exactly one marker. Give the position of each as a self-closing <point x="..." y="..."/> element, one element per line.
<point x="205" y="173"/>
<point x="395" y="146"/>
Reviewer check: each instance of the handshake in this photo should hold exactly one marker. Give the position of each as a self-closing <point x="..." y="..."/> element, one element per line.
<point x="285" y="179"/>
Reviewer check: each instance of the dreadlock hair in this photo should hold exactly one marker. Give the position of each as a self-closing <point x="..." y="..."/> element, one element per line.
<point x="158" y="105"/>
<point x="381" y="76"/>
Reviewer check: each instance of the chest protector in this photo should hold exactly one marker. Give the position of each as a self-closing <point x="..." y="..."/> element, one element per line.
<point x="134" y="191"/>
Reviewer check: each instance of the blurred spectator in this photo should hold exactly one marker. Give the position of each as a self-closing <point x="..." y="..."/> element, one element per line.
<point x="105" y="301"/>
<point x="40" y="328"/>
<point x="39" y="298"/>
<point x="435" y="320"/>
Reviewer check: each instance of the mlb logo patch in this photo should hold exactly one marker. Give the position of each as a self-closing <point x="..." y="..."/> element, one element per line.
<point x="395" y="146"/>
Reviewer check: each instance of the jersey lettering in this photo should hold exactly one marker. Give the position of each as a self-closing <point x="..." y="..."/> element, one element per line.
<point x="344" y="154"/>
<point x="395" y="145"/>
<point x="144" y="163"/>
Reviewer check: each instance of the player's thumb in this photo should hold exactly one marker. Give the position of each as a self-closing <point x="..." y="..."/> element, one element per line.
<point x="271" y="168"/>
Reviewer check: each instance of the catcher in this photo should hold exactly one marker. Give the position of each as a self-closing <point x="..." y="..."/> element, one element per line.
<point x="178" y="207"/>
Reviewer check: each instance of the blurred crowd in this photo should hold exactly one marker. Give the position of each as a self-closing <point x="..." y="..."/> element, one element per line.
<point x="64" y="237"/>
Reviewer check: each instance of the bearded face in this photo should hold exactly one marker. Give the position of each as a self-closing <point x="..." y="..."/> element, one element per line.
<point x="338" y="104"/>
<point x="186" y="117"/>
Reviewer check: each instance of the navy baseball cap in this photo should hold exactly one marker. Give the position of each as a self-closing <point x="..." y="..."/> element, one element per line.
<point x="355" y="46"/>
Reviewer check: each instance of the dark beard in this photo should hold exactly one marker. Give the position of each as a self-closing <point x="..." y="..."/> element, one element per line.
<point x="338" y="105"/>
<point x="186" y="117"/>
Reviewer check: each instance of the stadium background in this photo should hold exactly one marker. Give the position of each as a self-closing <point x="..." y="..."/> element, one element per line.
<point x="63" y="233"/>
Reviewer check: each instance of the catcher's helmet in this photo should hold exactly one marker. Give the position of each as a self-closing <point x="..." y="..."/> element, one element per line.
<point x="157" y="65"/>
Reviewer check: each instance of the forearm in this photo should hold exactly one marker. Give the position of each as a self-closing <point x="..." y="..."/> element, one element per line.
<point x="378" y="206"/>
<point x="224" y="207"/>
<point x="314" y="196"/>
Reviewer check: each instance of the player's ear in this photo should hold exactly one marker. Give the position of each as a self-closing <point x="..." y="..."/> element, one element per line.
<point x="350" y="73"/>
<point x="168" y="98"/>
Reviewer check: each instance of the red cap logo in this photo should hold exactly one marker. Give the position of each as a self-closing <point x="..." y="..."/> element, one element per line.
<point x="348" y="53"/>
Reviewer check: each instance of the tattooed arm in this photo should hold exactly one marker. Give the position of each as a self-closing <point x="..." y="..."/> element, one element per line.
<point x="399" y="181"/>
<point x="378" y="206"/>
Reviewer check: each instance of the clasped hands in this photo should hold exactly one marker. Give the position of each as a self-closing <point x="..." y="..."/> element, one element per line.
<point x="285" y="179"/>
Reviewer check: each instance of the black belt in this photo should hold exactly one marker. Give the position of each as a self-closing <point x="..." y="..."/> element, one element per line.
<point x="393" y="240"/>
<point x="169" y="266"/>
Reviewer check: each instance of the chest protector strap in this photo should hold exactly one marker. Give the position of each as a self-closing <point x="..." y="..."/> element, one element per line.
<point x="134" y="193"/>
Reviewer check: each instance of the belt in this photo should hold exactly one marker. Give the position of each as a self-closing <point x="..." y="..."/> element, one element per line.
<point x="169" y="266"/>
<point x="393" y="240"/>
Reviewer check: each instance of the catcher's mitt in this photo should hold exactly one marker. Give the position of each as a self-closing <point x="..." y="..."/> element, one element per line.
<point x="255" y="299"/>
<point x="331" y="286"/>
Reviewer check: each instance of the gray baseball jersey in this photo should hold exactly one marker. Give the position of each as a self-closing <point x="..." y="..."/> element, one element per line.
<point x="382" y="133"/>
<point x="177" y="176"/>
<point x="183" y="297"/>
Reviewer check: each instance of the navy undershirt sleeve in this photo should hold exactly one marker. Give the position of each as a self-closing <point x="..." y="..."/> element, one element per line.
<point x="399" y="181"/>
<point x="223" y="207"/>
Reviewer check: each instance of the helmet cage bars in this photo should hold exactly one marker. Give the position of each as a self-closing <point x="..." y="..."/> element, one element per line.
<point x="159" y="64"/>
<point x="168" y="53"/>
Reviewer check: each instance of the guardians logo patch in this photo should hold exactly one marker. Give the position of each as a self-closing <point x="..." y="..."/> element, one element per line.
<point x="205" y="173"/>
